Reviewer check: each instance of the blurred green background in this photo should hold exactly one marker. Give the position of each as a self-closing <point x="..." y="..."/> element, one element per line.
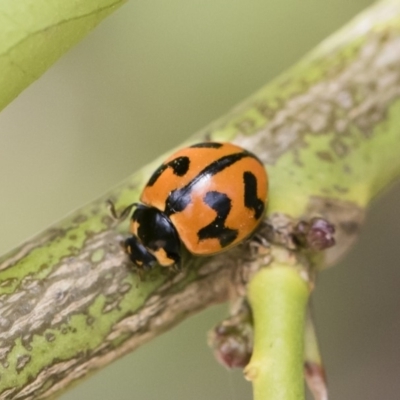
<point x="148" y="77"/>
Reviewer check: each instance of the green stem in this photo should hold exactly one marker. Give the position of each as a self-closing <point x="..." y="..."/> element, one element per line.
<point x="313" y="365"/>
<point x="278" y="296"/>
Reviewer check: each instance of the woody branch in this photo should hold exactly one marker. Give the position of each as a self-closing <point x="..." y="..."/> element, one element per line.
<point x="70" y="303"/>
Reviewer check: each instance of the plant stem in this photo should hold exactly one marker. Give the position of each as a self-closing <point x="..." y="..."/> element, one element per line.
<point x="278" y="296"/>
<point x="328" y="131"/>
<point x="313" y="365"/>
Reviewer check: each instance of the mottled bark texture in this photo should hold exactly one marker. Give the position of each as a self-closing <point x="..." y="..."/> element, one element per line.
<point x="328" y="130"/>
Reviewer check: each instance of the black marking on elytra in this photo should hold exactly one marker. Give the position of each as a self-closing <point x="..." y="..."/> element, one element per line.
<point x="179" y="199"/>
<point x="250" y="194"/>
<point x="179" y="165"/>
<point x="211" y="145"/>
<point x="220" y="203"/>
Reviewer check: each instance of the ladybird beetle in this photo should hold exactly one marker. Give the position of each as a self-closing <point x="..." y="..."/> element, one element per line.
<point x="209" y="196"/>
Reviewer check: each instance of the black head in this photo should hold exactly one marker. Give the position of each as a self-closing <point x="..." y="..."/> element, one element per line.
<point x="154" y="239"/>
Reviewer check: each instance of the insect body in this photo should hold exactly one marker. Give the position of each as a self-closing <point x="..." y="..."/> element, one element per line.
<point x="209" y="196"/>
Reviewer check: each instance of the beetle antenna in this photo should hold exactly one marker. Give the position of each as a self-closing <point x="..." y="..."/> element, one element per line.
<point x="119" y="217"/>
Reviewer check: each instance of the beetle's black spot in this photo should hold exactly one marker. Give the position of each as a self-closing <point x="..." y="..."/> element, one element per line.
<point x="157" y="173"/>
<point x="179" y="165"/>
<point x="211" y="145"/>
<point x="219" y="165"/>
<point x="250" y="194"/>
<point x="220" y="203"/>
<point x="179" y="199"/>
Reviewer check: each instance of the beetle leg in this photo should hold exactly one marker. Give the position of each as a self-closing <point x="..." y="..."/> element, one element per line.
<point x="177" y="267"/>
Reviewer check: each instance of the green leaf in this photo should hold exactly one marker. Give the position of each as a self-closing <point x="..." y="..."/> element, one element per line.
<point x="35" y="33"/>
